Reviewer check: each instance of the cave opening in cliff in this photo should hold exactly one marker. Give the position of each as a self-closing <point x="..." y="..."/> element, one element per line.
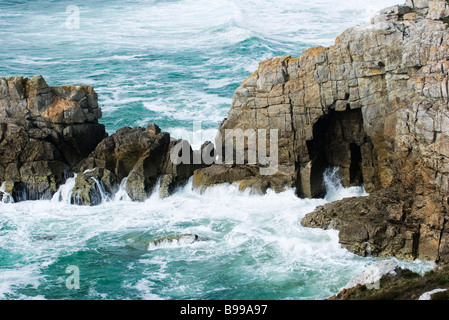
<point x="319" y="160"/>
<point x="336" y="142"/>
<point x="355" y="170"/>
<point x="317" y="153"/>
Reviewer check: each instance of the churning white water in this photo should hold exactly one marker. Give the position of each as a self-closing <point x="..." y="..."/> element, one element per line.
<point x="252" y="247"/>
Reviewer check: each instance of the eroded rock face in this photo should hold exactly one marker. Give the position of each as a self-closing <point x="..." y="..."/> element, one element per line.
<point x="374" y="105"/>
<point x="48" y="133"/>
<point x="142" y="156"/>
<point x="380" y="225"/>
<point x="409" y="132"/>
<point x="44" y="132"/>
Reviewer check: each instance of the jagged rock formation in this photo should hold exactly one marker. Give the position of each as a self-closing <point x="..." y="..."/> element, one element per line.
<point x="407" y="213"/>
<point x="44" y="132"/>
<point x="142" y="156"/>
<point x="375" y="105"/>
<point x="49" y="133"/>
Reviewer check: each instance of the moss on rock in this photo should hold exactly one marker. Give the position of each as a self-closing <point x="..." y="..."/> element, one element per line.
<point x="405" y="285"/>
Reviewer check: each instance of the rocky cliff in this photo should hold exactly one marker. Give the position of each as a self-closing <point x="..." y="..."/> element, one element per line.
<point x="375" y="105"/>
<point x="44" y="132"/>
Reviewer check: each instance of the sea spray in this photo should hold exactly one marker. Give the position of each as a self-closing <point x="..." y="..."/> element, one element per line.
<point x="5" y="197"/>
<point x="121" y="194"/>
<point x="334" y="188"/>
<point x="101" y="192"/>
<point x="64" y="193"/>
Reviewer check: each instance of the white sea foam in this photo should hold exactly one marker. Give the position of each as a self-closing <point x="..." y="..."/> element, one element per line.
<point x="193" y="105"/>
<point x="64" y="192"/>
<point x="6" y="197"/>
<point x="145" y="288"/>
<point x="305" y="22"/>
<point x="336" y="191"/>
<point x="121" y="194"/>
<point x="11" y="279"/>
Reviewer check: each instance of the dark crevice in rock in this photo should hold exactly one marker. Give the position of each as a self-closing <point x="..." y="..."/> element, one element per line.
<point x="355" y="170"/>
<point x="337" y="140"/>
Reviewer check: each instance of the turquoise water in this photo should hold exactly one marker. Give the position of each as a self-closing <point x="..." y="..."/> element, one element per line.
<point x="173" y="63"/>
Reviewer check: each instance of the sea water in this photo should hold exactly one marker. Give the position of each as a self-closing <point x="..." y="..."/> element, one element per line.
<point x="174" y="63"/>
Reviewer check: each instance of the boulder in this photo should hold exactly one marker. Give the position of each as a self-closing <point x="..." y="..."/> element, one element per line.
<point x="429" y="294"/>
<point x="375" y="225"/>
<point x="143" y="157"/>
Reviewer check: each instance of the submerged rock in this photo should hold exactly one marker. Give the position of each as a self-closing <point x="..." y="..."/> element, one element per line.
<point x="185" y="238"/>
<point x="45" y="238"/>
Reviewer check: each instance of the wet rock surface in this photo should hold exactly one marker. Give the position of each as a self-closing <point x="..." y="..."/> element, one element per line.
<point x="143" y="157"/>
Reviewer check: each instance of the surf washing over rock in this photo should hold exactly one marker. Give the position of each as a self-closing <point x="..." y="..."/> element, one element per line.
<point x="366" y="118"/>
<point x="374" y="105"/>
